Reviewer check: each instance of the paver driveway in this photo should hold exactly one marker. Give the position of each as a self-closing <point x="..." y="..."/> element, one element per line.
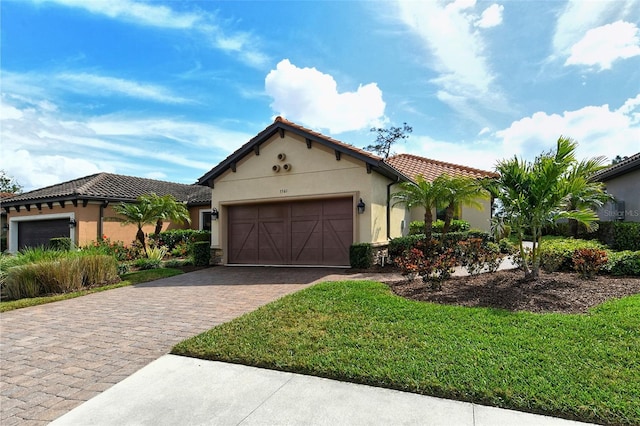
<point x="56" y="356"/>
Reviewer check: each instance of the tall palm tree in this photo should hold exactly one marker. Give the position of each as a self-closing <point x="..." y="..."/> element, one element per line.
<point x="535" y="193"/>
<point x="420" y="193"/>
<point x="458" y="191"/>
<point x="168" y="208"/>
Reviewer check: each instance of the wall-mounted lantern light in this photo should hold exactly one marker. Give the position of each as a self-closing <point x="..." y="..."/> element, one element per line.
<point x="215" y="214"/>
<point x="361" y="206"/>
<point x="5" y="227"/>
<point x="72" y="223"/>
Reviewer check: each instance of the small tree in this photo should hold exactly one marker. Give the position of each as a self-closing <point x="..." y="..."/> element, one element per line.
<point x="9" y="184"/>
<point x="168" y="208"/>
<point x="420" y="193"/>
<point x="151" y="209"/>
<point x="387" y="137"/>
<point x="458" y="191"/>
<point x="533" y="194"/>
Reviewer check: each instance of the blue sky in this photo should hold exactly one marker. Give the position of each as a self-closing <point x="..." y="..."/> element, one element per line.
<point x="166" y="90"/>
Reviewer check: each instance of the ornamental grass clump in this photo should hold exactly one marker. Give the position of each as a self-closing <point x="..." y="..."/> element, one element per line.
<point x="587" y="261"/>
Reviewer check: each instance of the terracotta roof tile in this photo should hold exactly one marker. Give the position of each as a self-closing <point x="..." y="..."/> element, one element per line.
<point x="626" y="165"/>
<point x="114" y="187"/>
<point x="328" y="138"/>
<point x="413" y="165"/>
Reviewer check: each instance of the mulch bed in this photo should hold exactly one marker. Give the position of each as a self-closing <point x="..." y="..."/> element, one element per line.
<point x="555" y="292"/>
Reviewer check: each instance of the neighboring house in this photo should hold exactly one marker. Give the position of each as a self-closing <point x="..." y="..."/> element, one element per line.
<point x="81" y="209"/>
<point x="292" y="196"/>
<point x="4" y="225"/>
<point x="622" y="180"/>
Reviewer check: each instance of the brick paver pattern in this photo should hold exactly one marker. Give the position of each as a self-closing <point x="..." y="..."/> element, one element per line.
<point x="56" y="356"/>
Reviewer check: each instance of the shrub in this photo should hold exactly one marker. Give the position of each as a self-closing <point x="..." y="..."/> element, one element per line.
<point x="116" y="249"/>
<point x="431" y="260"/>
<point x="507" y="247"/>
<point x="623" y="263"/>
<point x="145" y="263"/>
<point x="361" y="255"/>
<point x="201" y="252"/>
<point x="626" y="236"/>
<point x="417" y="226"/>
<point x="60" y="243"/>
<point x="588" y="261"/>
<point x="475" y="256"/>
<point x="557" y="255"/>
<point x="398" y="246"/>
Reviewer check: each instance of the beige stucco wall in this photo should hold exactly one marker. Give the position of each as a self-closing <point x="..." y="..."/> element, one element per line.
<point x="315" y="173"/>
<point x="478" y="219"/>
<point x="87" y="219"/>
<point x="625" y="188"/>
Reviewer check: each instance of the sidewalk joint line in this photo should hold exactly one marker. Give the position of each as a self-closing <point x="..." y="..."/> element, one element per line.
<point x="269" y="397"/>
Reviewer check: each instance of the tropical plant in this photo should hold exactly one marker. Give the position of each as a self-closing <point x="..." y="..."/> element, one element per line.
<point x="422" y="194"/>
<point x="534" y="194"/>
<point x="151" y="209"/>
<point x="168" y="208"/>
<point x="587" y="194"/>
<point x="458" y="191"/>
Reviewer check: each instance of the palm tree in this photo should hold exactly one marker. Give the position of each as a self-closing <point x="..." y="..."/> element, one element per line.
<point x="420" y="193"/>
<point x="536" y="193"/>
<point x="168" y="208"/>
<point x="140" y="214"/>
<point x="152" y="209"/>
<point x="458" y="191"/>
<point x="589" y="195"/>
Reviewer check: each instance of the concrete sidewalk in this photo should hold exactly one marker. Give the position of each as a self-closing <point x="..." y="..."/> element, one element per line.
<point x="177" y="390"/>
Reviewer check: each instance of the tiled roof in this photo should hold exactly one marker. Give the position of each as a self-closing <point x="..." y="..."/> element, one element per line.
<point x="329" y="139"/>
<point x="282" y="124"/>
<point x="625" y="166"/>
<point x="413" y="165"/>
<point x="113" y="187"/>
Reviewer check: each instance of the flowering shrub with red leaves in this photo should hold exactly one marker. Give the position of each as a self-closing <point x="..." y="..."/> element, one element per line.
<point x="116" y="249"/>
<point x="588" y="261"/>
<point x="476" y="255"/>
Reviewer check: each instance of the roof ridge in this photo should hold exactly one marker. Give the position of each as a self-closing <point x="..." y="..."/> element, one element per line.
<point x="443" y="163"/>
<point x="280" y="119"/>
<point x="98" y="177"/>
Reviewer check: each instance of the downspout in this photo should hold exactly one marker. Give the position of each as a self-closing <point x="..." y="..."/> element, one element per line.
<point x="389" y="208"/>
<point x="104" y="204"/>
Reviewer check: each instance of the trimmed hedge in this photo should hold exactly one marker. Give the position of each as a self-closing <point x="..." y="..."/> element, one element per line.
<point x="173" y="237"/>
<point x="617" y="235"/>
<point x="398" y="245"/>
<point x="417" y="226"/>
<point x="201" y="252"/>
<point x="557" y="255"/>
<point x="623" y="263"/>
<point x="60" y="243"/>
<point x="361" y="255"/>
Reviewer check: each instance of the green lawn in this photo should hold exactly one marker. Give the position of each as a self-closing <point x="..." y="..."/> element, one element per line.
<point x="585" y="367"/>
<point x="127" y="279"/>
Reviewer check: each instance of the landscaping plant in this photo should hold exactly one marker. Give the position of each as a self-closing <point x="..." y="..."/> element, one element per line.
<point x="587" y="262"/>
<point x="535" y="194"/>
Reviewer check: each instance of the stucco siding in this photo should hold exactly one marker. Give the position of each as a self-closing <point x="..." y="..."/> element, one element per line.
<point x="314" y="173"/>
<point x="624" y="188"/>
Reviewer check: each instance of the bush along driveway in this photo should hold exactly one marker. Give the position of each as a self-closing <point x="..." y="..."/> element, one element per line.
<point x="58" y="355"/>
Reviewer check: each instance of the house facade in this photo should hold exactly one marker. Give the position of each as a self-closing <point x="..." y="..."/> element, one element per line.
<point x="82" y="209"/>
<point x="292" y="196"/>
<point x="622" y="180"/>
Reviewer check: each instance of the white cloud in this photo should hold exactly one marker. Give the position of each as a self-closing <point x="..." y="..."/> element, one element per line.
<point x="599" y="130"/>
<point x="106" y="86"/>
<point x="42" y="144"/>
<point x="457" y="52"/>
<point x="140" y="13"/>
<point x="579" y="16"/>
<point x="601" y="46"/>
<point x="491" y="16"/>
<point x="242" y="44"/>
<point x="310" y="97"/>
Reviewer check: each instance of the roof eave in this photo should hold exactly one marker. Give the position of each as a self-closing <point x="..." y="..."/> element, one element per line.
<point x="378" y="165"/>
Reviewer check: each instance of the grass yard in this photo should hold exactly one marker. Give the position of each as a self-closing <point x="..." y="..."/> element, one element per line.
<point x="127" y="279"/>
<point x="584" y="367"/>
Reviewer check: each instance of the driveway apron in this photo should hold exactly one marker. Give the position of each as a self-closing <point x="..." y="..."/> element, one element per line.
<point x="56" y="356"/>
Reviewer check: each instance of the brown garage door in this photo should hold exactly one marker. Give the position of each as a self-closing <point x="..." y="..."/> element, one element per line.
<point x="317" y="232"/>
<point x="39" y="232"/>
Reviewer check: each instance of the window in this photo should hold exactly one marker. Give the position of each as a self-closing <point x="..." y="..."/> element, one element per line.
<point x="205" y="220"/>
